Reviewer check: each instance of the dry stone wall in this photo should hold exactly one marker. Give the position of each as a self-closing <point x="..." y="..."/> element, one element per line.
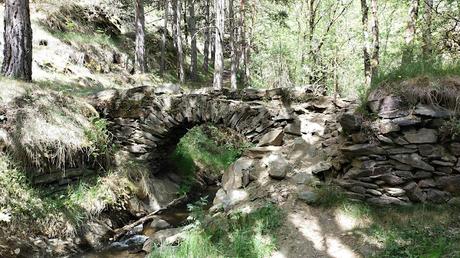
<point x="403" y="156"/>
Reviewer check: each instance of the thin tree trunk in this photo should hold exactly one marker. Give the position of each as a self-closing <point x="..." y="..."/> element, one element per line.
<point x="375" y="60"/>
<point x="192" y="28"/>
<point x="408" y="52"/>
<point x="163" y="38"/>
<point x="140" y="37"/>
<point x="427" y="36"/>
<point x="234" y="51"/>
<point x="207" y="36"/>
<point x="366" y="47"/>
<point x="180" y="53"/>
<point x="243" y="40"/>
<point x="17" y="52"/>
<point x="219" y="37"/>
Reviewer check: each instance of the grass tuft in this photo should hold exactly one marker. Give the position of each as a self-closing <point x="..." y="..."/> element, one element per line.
<point x="238" y="235"/>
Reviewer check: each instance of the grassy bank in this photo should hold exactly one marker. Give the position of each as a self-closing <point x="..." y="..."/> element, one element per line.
<point x="415" y="231"/>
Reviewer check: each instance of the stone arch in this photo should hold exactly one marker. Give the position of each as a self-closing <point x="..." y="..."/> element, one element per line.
<point x="146" y="121"/>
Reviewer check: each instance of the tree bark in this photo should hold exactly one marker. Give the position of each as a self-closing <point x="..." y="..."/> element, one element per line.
<point x="243" y="43"/>
<point x="178" y="36"/>
<point x="163" y="38"/>
<point x="193" y="51"/>
<point x="219" y="37"/>
<point x="140" y="37"/>
<point x="207" y="36"/>
<point x="17" y="52"/>
<point x="234" y="49"/>
<point x="409" y="37"/>
<point x="366" y="47"/>
<point x="375" y="60"/>
<point x="427" y="36"/>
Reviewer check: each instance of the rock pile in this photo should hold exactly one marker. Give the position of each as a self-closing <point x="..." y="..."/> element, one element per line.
<point x="403" y="156"/>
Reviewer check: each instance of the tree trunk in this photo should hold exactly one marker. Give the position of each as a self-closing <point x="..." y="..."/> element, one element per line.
<point x="193" y="51"/>
<point x="140" y="37"/>
<point x="180" y="52"/>
<point x="375" y="40"/>
<point x="219" y="38"/>
<point x="427" y="36"/>
<point x="366" y="47"/>
<point x="17" y="52"/>
<point x="408" y="52"/>
<point x="234" y="49"/>
<point x="207" y="37"/>
<point x="243" y="45"/>
<point x="163" y="38"/>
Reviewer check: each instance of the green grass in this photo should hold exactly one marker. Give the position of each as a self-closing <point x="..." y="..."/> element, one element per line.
<point x="415" y="231"/>
<point x="238" y="235"/>
<point x="430" y="68"/>
<point x="427" y="84"/>
<point x="206" y="148"/>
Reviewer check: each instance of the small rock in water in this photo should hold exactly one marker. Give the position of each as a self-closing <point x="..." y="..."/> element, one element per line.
<point x="133" y="242"/>
<point x="308" y="197"/>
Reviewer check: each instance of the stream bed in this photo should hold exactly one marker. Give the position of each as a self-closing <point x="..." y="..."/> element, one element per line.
<point x="175" y="216"/>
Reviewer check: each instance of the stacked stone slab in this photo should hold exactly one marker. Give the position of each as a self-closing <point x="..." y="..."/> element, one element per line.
<point x="401" y="157"/>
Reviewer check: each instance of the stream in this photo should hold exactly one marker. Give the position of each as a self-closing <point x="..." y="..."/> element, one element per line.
<point x="176" y="217"/>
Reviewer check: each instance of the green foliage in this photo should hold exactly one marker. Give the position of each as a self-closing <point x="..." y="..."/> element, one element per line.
<point x="238" y="235"/>
<point x="206" y="148"/>
<point x="100" y="140"/>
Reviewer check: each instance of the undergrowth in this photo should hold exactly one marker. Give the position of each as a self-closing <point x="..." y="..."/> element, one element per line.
<point x="420" y="230"/>
<point x="237" y="235"/>
<point x="206" y="148"/>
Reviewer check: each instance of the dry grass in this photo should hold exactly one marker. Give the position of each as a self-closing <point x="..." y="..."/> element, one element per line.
<point x="46" y="129"/>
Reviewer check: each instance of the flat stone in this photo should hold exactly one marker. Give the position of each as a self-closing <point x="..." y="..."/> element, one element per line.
<point x="431" y="111"/>
<point x="422" y="175"/>
<point x="406" y="175"/>
<point x="386" y="126"/>
<point x="431" y="151"/>
<point x="389" y="179"/>
<point x="308" y="197"/>
<point x="400" y="141"/>
<point x="413" y="160"/>
<point x="273" y="138"/>
<point x="362" y="149"/>
<point x="392" y="107"/>
<point x="442" y="163"/>
<point x="392" y="150"/>
<point x="303" y="178"/>
<point x="395" y="192"/>
<point x="421" y="136"/>
<point x="374" y="192"/>
<point x="450" y="184"/>
<point x="385" y="200"/>
<point x="407" y="120"/>
<point x="426" y="183"/>
<point x="414" y="192"/>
